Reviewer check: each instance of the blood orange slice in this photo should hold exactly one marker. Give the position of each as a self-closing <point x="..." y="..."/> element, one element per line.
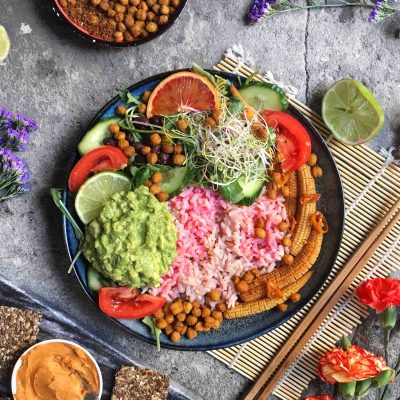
<point x="183" y="92"/>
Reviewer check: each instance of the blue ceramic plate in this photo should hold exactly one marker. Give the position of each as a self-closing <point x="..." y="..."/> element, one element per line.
<point x="234" y="332"/>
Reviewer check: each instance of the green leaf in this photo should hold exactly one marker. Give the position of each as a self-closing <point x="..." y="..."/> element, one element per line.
<point x="383" y="379"/>
<point x="127" y="97"/>
<point x="347" y="390"/>
<point x="236" y="106"/>
<point x="149" y="321"/>
<point x="198" y="70"/>
<point x="388" y="318"/>
<point x="345" y="343"/>
<point x="363" y="387"/>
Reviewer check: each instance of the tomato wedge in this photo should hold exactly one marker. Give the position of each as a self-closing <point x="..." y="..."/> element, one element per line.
<point x="97" y="160"/>
<point x="125" y="303"/>
<point x="292" y="139"/>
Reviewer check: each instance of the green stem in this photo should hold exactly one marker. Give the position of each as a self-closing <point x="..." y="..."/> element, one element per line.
<point x="386" y="343"/>
<point x="71" y="267"/>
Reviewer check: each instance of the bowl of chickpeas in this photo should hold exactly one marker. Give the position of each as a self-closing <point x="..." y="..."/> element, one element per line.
<point x="119" y="23"/>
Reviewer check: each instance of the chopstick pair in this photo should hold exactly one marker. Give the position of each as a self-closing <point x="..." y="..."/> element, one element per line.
<point x="275" y="370"/>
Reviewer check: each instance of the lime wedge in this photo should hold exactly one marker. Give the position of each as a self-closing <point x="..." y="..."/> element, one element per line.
<point x="94" y="193"/>
<point x="4" y="43"/>
<point x="351" y="112"/>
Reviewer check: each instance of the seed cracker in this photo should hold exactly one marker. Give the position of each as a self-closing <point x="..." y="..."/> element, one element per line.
<point x="132" y="383"/>
<point x="19" y="329"/>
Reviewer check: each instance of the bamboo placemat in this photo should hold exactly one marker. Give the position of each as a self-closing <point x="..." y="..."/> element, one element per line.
<point x="371" y="184"/>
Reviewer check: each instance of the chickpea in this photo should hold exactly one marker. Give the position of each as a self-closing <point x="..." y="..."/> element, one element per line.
<point x="145" y="150"/>
<point x="286" y="241"/>
<point x="178" y="159"/>
<point x="236" y="280"/>
<point x="187" y="307"/>
<point x="168" y="330"/>
<point x="120" y="136"/>
<point x="156" y="8"/>
<point x="195" y="303"/>
<point x="104" y="6"/>
<point x="205" y="312"/>
<point x="156" y="177"/>
<point x="151" y="27"/>
<point x="181" y="317"/>
<point x="118" y="36"/>
<point x="159" y="314"/>
<point x="164" y="10"/>
<point x="164" y="2"/>
<point x="161" y="324"/>
<point x="282" y="226"/>
<point x="162" y="196"/>
<point x="285" y="191"/>
<point x="128" y="36"/>
<point x="168" y="148"/>
<point x="143" y="6"/>
<point x="217" y="315"/>
<point x="256" y="272"/>
<point x="248" y="277"/>
<point x="209" y="322"/>
<point x="170" y="319"/>
<point x="141" y="15"/>
<point x="178" y="326"/>
<point x="95" y="2"/>
<point x="199" y="327"/>
<point x="142" y="108"/>
<point x="176" y="307"/>
<point x="214" y="295"/>
<point x="151" y="2"/>
<point x="295" y="297"/>
<point x="112" y="23"/>
<point x="123" y="143"/>
<point x="129" y="151"/>
<point x="210" y="122"/>
<point x="129" y="21"/>
<point x="111" y="13"/>
<point x="134" y="2"/>
<point x="288" y="259"/>
<point x="282" y="307"/>
<point x="135" y="31"/>
<point x="279" y="157"/>
<point x="271" y="194"/>
<point x="312" y="161"/>
<point x="155" y="189"/>
<point x="163" y="19"/>
<point x="147" y="183"/>
<point x="182" y="125"/>
<point x="175" y="3"/>
<point x="216" y="324"/>
<point x="276" y="177"/>
<point x="191" y="320"/>
<point x="260" y="233"/>
<point x="114" y="128"/>
<point x="150" y="16"/>
<point x="178" y="148"/>
<point x="242" y="287"/>
<point x="221" y="307"/>
<point x="121" y="27"/>
<point x="217" y="113"/>
<point x="166" y="309"/>
<point x="191" y="333"/>
<point x="155" y="139"/>
<point x="121" y="110"/>
<point x="119" y="8"/>
<point x="196" y="312"/>
<point x="146" y="95"/>
<point x="175" y="337"/>
<point x="152" y="158"/>
<point x="119" y="17"/>
<point x="317" y="171"/>
<point x="259" y="223"/>
<point x="132" y="10"/>
<point x="124" y="2"/>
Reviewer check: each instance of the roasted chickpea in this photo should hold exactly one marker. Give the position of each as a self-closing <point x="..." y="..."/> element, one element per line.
<point x="248" y="277"/>
<point x="295" y="297"/>
<point x="143" y="6"/>
<point x="134" y="2"/>
<point x="142" y="108"/>
<point x="119" y="8"/>
<point x="216" y="324"/>
<point x="120" y="136"/>
<point x="191" y="333"/>
<point x="182" y="125"/>
<point x="124" y="2"/>
<point x="196" y="312"/>
<point x="259" y="223"/>
<point x="285" y="191"/>
<point x="151" y="2"/>
<point x="146" y="96"/>
<point x="178" y="148"/>
<point x="178" y="326"/>
<point x="119" y="17"/>
<point x="175" y="3"/>
<point x="199" y="327"/>
<point x="152" y="158"/>
<point x="129" y="151"/>
<point x="312" y="161"/>
<point x="164" y="10"/>
<point x="155" y="139"/>
<point x="161" y="324"/>
<point x="162" y="196"/>
<point x="286" y="241"/>
<point x="209" y="322"/>
<point x="145" y="150"/>
<point x="129" y="21"/>
<point x="121" y="27"/>
<point x="139" y="24"/>
<point x="123" y="143"/>
<point x="288" y="259"/>
<point x="104" y="6"/>
<point x="155" y="189"/>
<point x="111" y="23"/>
<point x="114" y="128"/>
<point x="151" y="27"/>
<point x="134" y="31"/>
<point x="282" y="226"/>
<point x="168" y="330"/>
<point x="242" y="287"/>
<point x="166" y="309"/>
<point x="210" y="122"/>
<point x="195" y="303"/>
<point x="221" y="307"/>
<point x="128" y="36"/>
<point x="205" y="312"/>
<point x="260" y="233"/>
<point x="141" y="15"/>
<point x="187" y="307"/>
<point x="95" y="2"/>
<point x="282" y="307"/>
<point x="169" y="318"/>
<point x="156" y="8"/>
<point x="175" y="337"/>
<point x="168" y="148"/>
<point x="121" y="110"/>
<point x="159" y="314"/>
<point x="256" y="272"/>
<point x="214" y="295"/>
<point x="176" y="307"/>
<point x="317" y="171"/>
<point x="164" y="2"/>
<point x="147" y="183"/>
<point x="271" y="194"/>
<point x="156" y="177"/>
<point x="118" y="37"/>
<point x="276" y="177"/>
<point x="163" y="19"/>
<point x="150" y="16"/>
<point x="191" y="320"/>
<point x="178" y="159"/>
<point x="181" y="317"/>
<point x="217" y="315"/>
<point x="132" y="10"/>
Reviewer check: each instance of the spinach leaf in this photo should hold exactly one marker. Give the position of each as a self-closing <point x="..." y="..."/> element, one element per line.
<point x="154" y="330"/>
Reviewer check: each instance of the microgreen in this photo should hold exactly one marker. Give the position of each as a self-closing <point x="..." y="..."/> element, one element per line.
<point x="150" y="322"/>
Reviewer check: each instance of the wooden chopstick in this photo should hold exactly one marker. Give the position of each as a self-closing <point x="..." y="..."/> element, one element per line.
<point x="322" y="307"/>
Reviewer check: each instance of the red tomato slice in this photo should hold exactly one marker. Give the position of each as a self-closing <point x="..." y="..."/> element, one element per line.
<point x="125" y="303"/>
<point x="292" y="139"/>
<point x="100" y="159"/>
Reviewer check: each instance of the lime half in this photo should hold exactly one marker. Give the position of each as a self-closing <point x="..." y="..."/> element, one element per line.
<point x="351" y="112"/>
<point x="4" y="43"/>
<point x="94" y="193"/>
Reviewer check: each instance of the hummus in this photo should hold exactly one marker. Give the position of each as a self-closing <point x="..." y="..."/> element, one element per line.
<point x="54" y="371"/>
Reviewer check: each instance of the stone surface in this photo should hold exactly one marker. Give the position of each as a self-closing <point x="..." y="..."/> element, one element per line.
<point x="61" y="81"/>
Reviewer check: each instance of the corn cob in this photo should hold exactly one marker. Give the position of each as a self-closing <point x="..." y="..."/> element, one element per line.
<point x="288" y="274"/>
<point x="306" y="186"/>
<point x="291" y="200"/>
<point x="258" y="306"/>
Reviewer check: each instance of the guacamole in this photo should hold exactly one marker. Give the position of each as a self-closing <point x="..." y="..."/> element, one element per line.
<point x="133" y="240"/>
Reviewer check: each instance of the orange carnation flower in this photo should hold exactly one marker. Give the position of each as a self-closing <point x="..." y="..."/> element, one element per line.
<point x="353" y="364"/>
<point x="319" y="397"/>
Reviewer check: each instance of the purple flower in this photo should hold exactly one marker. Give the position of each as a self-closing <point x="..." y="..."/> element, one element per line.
<point x="259" y="9"/>
<point x="375" y="14"/>
<point x="20" y="120"/>
<point x="14" y="139"/>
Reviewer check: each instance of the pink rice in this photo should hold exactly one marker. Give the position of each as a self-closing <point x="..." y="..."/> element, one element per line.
<point x="216" y="242"/>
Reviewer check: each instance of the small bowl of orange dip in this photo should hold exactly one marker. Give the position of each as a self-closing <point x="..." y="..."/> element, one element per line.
<point x="56" y="369"/>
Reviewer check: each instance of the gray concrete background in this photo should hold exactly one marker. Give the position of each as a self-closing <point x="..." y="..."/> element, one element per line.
<point x="61" y="81"/>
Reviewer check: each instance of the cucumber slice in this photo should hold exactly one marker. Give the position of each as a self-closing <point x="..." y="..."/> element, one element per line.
<point x="95" y="136"/>
<point x="264" y="96"/>
<point x="95" y="280"/>
<point x="174" y="180"/>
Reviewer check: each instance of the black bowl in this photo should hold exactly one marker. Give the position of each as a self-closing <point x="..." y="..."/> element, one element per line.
<point x="66" y="19"/>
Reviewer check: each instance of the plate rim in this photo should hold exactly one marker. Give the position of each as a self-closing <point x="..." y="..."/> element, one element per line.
<point x="229" y="343"/>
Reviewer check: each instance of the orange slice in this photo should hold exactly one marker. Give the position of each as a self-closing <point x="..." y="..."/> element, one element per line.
<point x="183" y="92"/>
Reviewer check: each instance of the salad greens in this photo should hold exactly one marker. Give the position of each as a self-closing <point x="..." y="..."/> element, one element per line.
<point x="150" y="322"/>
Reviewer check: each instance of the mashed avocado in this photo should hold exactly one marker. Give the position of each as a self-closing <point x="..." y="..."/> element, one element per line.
<point x="133" y="240"/>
